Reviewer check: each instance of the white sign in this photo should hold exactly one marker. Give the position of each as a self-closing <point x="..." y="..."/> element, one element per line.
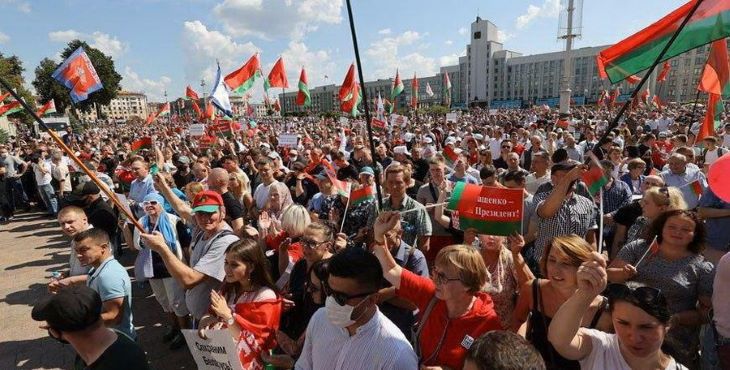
<point x="492" y="112"/>
<point x="451" y="117"/>
<point x="288" y="140"/>
<point x="397" y="119"/>
<point x="197" y="129"/>
<point x="344" y="120"/>
<point x="218" y="352"/>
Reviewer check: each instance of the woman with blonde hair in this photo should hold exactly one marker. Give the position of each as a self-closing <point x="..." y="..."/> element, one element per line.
<point x="539" y="300"/>
<point x="193" y="188"/>
<point x="656" y="200"/>
<point x="285" y="240"/>
<point x="452" y="306"/>
<point x="240" y="186"/>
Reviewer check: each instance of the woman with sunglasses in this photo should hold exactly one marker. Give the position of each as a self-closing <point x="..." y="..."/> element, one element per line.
<point x="150" y="266"/>
<point x="640" y="318"/>
<point x="674" y="264"/>
<point x="453" y="310"/>
<point x="539" y="300"/>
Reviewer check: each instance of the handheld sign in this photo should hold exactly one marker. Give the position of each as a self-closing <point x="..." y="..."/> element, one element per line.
<point x="288" y="140"/>
<point x="451" y="117"/>
<point x="197" y="129"/>
<point x="397" y="119"/>
<point x="489" y="210"/>
<point x="216" y="353"/>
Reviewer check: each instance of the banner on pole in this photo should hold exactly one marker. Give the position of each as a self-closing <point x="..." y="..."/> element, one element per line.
<point x="288" y="140"/>
<point x="489" y="210"/>
<point x="451" y="117"/>
<point x="215" y="353"/>
<point x="197" y="129"/>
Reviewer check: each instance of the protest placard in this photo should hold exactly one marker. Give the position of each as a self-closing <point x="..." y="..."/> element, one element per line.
<point x="288" y="140"/>
<point x="218" y="352"/>
<point x="397" y="119"/>
<point x="489" y="210"/>
<point x="197" y="129"/>
<point x="451" y="117"/>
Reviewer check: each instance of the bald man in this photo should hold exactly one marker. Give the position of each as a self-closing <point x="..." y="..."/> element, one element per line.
<point x="73" y="220"/>
<point x="218" y="182"/>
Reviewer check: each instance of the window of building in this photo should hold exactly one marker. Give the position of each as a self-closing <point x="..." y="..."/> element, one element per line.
<point x="477" y="35"/>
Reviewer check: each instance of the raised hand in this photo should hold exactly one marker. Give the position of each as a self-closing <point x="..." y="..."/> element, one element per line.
<point x="516" y="242"/>
<point x="591" y="276"/>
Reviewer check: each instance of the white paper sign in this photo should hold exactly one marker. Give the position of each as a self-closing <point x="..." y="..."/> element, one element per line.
<point x="344" y="120"/>
<point x="451" y="117"/>
<point x="492" y="112"/>
<point x="288" y="140"/>
<point x="197" y="129"/>
<point x="397" y="119"/>
<point x="218" y="352"/>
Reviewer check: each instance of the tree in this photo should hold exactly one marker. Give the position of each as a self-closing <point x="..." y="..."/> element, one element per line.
<point x="11" y="70"/>
<point x="48" y="88"/>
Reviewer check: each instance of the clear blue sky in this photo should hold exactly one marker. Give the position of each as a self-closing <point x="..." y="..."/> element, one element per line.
<point x="161" y="45"/>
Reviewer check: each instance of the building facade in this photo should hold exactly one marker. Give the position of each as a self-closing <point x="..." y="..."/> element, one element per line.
<point x="125" y="106"/>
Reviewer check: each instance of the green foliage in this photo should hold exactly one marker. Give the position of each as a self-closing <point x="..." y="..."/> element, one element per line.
<point x="11" y="70"/>
<point x="48" y="88"/>
<point x="437" y="110"/>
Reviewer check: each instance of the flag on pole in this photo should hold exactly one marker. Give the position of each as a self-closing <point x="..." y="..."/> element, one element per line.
<point x="350" y="92"/>
<point x="594" y="178"/>
<point x="142" y="143"/>
<point x="602" y="97"/>
<point x="447" y="90"/>
<point x="48" y="108"/>
<point x="362" y="195"/>
<point x="650" y="252"/>
<point x="277" y="76"/>
<point x="450" y="155"/>
<point x="713" y="118"/>
<point x="715" y="81"/>
<point x="164" y="110"/>
<point x="219" y="95"/>
<point x="190" y="93"/>
<point x="397" y="87"/>
<point x="664" y="72"/>
<point x="209" y="112"/>
<point x="414" y="92"/>
<point x="242" y="79"/>
<point x="303" y="98"/>
<point x="639" y="51"/>
<point x="277" y="105"/>
<point x="645" y="96"/>
<point x="10" y="108"/>
<point x="429" y="92"/>
<point x="657" y="102"/>
<point x="78" y="74"/>
<point x="696" y="187"/>
<point x="614" y="95"/>
<point x="342" y="187"/>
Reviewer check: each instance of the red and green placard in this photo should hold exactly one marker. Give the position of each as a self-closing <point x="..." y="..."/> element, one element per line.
<point x="489" y="210"/>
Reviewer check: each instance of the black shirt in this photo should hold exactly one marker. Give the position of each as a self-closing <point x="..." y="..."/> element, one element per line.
<point x="347" y="172"/>
<point x="102" y="216"/>
<point x="420" y="170"/>
<point x="234" y="209"/>
<point x="182" y="179"/>
<point x="123" y="354"/>
<point x="628" y="214"/>
<point x="309" y="187"/>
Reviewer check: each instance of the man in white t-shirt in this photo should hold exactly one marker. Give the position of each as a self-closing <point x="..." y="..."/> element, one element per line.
<point x="711" y="152"/>
<point x="42" y="171"/>
<point x="73" y="221"/>
<point x="265" y="167"/>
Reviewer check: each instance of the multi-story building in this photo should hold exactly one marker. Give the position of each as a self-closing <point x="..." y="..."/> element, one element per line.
<point x="126" y="105"/>
<point x="491" y="76"/>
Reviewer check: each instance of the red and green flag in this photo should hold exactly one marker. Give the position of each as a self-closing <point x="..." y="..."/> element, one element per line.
<point x="164" y="110"/>
<point x="10" y="108"/>
<point x="190" y="93"/>
<point x="450" y="155"/>
<point x="349" y="93"/>
<point x="638" y="52"/>
<point x="447" y="90"/>
<point x="242" y="79"/>
<point x="594" y="178"/>
<point x="362" y="195"/>
<point x="414" y="92"/>
<point x="277" y="76"/>
<point x="490" y="210"/>
<point x="303" y="98"/>
<point x="342" y="187"/>
<point x="277" y="105"/>
<point x="48" y="108"/>
<point x="714" y="81"/>
<point x="696" y="187"/>
<point x="664" y="72"/>
<point x="143" y="143"/>
<point x="397" y="87"/>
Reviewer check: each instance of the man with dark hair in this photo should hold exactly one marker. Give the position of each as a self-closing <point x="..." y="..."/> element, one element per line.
<point x="107" y="277"/>
<point x="345" y="170"/>
<point x="218" y="182"/>
<point x="351" y="332"/>
<point x="502" y="350"/>
<point x="505" y="149"/>
<point x="74" y="316"/>
<point x="265" y="168"/>
<point x="300" y="184"/>
<point x="488" y="175"/>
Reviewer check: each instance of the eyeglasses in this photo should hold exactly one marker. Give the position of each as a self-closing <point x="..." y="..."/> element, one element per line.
<point x="342" y="298"/>
<point x="440" y="278"/>
<point x="311" y="244"/>
<point x="149" y="203"/>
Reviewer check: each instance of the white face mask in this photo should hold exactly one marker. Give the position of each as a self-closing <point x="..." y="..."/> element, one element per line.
<point x="339" y="316"/>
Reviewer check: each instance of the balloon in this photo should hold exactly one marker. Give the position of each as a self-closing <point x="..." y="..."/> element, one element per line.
<point x="719" y="179"/>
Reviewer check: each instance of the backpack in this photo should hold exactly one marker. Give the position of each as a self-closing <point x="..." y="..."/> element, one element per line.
<point x="720" y="152"/>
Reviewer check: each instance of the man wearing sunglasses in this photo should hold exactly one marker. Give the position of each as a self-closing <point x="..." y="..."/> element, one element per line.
<point x="351" y="333"/>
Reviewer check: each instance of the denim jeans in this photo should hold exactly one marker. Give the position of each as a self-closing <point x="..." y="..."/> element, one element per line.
<point x="49" y="198"/>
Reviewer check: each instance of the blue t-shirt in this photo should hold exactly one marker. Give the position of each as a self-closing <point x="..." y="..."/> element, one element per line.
<point x="111" y="281"/>
<point x="718" y="228"/>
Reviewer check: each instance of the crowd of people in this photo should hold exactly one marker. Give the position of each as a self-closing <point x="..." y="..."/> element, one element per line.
<point x="238" y="233"/>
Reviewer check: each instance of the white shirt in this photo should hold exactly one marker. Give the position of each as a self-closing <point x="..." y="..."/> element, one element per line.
<point x="42" y="178"/>
<point x="378" y="344"/>
<point x="261" y="195"/>
<point x="606" y="354"/>
<point x="532" y="182"/>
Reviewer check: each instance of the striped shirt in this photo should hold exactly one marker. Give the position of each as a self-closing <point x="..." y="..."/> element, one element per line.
<point x="378" y="344"/>
<point x="576" y="215"/>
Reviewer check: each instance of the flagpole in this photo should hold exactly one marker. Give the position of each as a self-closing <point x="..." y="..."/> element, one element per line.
<point x="364" y="98"/>
<point x="648" y="73"/>
<point x="344" y="213"/>
<point x="71" y="154"/>
<point x="600" y="221"/>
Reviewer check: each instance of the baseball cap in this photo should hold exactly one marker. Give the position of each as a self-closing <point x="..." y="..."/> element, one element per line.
<point x="184" y="159"/>
<point x="367" y="170"/>
<point x="207" y="201"/>
<point x="402" y="149"/>
<point x="71" y="309"/>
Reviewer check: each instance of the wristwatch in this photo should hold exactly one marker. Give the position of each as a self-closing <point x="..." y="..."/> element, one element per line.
<point x="231" y="320"/>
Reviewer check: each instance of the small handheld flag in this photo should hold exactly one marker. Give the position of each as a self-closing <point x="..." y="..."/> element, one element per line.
<point x="651" y="251"/>
<point x="78" y="74"/>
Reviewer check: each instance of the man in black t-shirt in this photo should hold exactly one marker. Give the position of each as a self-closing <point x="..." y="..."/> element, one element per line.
<point x="218" y="182"/>
<point x="345" y="170"/>
<point x="73" y="316"/>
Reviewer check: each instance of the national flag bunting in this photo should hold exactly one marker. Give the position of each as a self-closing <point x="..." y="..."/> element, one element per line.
<point x="143" y="143"/>
<point x="242" y="79"/>
<point x="78" y="74"/>
<point x="303" y="98"/>
<point x="639" y="51"/>
<point x="362" y="195"/>
<point x="277" y="76"/>
<point x="594" y="178"/>
<point x="48" y="108"/>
